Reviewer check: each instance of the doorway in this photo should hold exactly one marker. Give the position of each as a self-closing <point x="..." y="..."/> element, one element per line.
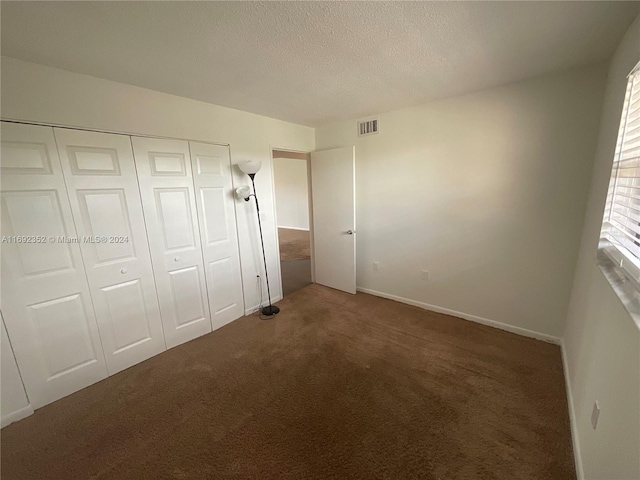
<point x="293" y="218"/>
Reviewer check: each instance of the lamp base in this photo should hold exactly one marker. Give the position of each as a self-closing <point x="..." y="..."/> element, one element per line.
<point x="270" y="311"/>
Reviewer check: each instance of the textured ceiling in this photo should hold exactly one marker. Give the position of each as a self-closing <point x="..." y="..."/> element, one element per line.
<point x="314" y="62"/>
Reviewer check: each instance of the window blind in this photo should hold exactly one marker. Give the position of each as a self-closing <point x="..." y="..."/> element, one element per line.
<point x="621" y="225"/>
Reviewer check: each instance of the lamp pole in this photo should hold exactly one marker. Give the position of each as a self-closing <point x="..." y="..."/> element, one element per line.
<point x="271" y="310"/>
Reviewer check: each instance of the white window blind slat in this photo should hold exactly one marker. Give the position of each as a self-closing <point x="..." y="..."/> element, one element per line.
<point x="621" y="234"/>
<point x="619" y="223"/>
<point x="629" y="200"/>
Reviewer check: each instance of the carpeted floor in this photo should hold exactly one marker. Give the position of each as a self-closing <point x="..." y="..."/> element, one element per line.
<point x="294" y="244"/>
<point x="336" y="387"/>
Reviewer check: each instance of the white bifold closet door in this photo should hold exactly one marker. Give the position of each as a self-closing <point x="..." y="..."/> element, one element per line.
<point x="45" y="296"/>
<point x="166" y="185"/>
<point x="101" y="180"/>
<point x="216" y="212"/>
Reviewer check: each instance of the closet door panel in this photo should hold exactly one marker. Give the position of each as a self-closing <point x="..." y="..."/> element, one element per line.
<point x="103" y="190"/>
<point x="216" y="212"/>
<point x="45" y="296"/>
<point x="166" y="185"/>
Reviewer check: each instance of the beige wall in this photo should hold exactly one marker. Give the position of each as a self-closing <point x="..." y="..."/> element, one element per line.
<point x="292" y="192"/>
<point x="38" y="93"/>
<point x="485" y="191"/>
<point x="602" y="342"/>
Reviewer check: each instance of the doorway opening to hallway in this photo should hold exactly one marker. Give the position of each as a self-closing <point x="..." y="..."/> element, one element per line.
<point x="294" y="218"/>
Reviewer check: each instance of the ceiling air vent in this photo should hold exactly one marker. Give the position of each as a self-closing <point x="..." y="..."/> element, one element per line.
<point x="368" y="127"/>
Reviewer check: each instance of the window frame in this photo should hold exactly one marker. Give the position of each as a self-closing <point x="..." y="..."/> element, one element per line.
<point x="622" y="259"/>
<point x="619" y="265"/>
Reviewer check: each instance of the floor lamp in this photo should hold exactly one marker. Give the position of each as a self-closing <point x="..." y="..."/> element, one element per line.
<point x="251" y="167"/>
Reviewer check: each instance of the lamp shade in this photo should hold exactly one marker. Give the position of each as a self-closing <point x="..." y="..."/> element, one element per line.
<point x="243" y="192"/>
<point x="250" y="167"/>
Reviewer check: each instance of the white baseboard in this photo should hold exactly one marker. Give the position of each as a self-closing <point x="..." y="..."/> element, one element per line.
<point x="572" y="417"/>
<point x="293" y="228"/>
<point x="466" y="316"/>
<point x="24" y="412"/>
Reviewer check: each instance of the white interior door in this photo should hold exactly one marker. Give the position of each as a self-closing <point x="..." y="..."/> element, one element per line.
<point x="216" y="212"/>
<point x="166" y="185"/>
<point x="103" y="190"/>
<point x="45" y="296"/>
<point x="333" y="193"/>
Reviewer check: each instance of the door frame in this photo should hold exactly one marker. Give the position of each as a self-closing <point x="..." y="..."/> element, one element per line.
<point x="275" y="208"/>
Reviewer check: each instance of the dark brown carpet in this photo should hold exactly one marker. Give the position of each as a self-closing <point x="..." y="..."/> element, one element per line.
<point x="294" y="244"/>
<point x="336" y="387"/>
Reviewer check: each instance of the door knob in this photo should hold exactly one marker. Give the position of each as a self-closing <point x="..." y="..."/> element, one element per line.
<point x="176" y="259"/>
<point x="123" y="271"/>
<point x="350" y="232"/>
